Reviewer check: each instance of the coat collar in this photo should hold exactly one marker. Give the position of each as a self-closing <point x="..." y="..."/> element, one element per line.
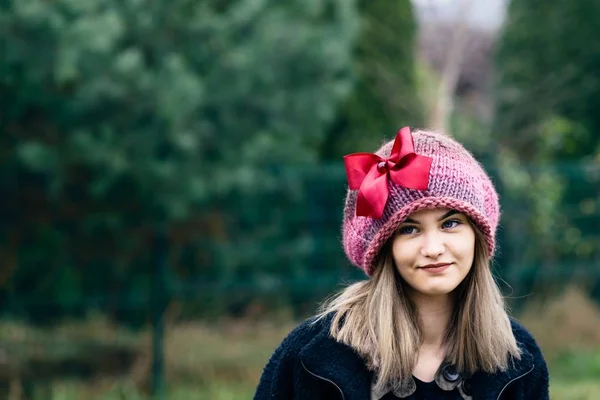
<point x="338" y="363"/>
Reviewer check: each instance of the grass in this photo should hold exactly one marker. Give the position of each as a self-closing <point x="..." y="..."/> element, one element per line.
<point x="125" y="391"/>
<point x="574" y="390"/>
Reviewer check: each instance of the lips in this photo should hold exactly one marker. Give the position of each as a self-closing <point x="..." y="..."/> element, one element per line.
<point x="436" y="268"/>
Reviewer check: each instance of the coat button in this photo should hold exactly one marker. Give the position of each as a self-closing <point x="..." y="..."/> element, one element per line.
<point x="467" y="387"/>
<point x="450" y="373"/>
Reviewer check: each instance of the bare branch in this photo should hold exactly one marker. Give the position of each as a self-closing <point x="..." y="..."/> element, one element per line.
<point x="439" y="114"/>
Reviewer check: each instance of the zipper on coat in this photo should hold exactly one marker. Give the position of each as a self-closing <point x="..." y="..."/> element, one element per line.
<point x="325" y="379"/>
<point x="512" y="380"/>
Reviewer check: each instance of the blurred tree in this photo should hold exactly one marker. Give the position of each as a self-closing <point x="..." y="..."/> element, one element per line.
<point x="542" y="69"/>
<point x="116" y="114"/>
<point x="547" y="96"/>
<point x="385" y="96"/>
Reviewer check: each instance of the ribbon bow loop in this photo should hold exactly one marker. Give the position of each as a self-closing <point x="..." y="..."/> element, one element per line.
<point x="369" y="174"/>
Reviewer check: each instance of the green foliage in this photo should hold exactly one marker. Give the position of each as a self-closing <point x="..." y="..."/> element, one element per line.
<point x="178" y="99"/>
<point x="547" y="65"/>
<point x="577" y="365"/>
<point x="385" y="95"/>
<point x="214" y="118"/>
<point x="546" y="121"/>
<point x="123" y="114"/>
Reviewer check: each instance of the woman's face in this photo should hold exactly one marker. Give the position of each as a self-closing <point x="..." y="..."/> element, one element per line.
<point x="433" y="250"/>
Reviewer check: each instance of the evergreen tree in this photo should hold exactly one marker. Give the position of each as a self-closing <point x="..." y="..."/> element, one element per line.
<point x="117" y="115"/>
<point x="385" y="95"/>
<point x="548" y="63"/>
<point x="546" y="127"/>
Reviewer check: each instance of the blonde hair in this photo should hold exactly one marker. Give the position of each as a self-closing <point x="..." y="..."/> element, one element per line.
<point x="377" y="319"/>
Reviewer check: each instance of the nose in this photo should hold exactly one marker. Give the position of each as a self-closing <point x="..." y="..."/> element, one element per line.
<point x="433" y="245"/>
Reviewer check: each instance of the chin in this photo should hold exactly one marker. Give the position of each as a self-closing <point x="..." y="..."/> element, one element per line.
<point x="436" y="290"/>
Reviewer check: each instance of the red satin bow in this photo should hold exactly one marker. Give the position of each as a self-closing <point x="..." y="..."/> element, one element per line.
<point x="368" y="173"/>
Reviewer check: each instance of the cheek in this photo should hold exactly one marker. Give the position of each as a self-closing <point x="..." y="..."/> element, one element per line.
<point x="408" y="275"/>
<point x="404" y="260"/>
<point x="401" y="254"/>
<point x="464" y="250"/>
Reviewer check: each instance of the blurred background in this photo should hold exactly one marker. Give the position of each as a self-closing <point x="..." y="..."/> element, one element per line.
<point x="172" y="178"/>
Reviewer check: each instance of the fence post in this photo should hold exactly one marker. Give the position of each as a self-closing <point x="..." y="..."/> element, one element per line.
<point x="159" y="303"/>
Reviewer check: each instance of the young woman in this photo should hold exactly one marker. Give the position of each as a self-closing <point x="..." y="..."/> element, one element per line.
<point x="420" y="219"/>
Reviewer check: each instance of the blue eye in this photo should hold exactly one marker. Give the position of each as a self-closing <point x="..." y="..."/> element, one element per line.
<point x="451" y="223"/>
<point x="407" y="230"/>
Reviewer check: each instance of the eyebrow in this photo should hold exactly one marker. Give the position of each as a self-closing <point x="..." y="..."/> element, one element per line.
<point x="448" y="214"/>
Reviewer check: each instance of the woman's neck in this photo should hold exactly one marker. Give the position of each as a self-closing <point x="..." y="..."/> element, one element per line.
<point x="435" y="313"/>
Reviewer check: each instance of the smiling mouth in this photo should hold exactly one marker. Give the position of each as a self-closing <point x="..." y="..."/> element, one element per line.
<point x="435" y="268"/>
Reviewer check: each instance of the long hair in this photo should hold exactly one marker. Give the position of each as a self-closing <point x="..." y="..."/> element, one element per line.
<point x="377" y="319"/>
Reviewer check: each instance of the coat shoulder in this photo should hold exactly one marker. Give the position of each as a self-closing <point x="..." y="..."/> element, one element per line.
<point x="536" y="382"/>
<point x="525" y="339"/>
<point x="303" y="333"/>
<point x="277" y="379"/>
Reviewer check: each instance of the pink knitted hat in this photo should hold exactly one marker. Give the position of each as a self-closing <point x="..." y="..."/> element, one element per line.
<point x="455" y="180"/>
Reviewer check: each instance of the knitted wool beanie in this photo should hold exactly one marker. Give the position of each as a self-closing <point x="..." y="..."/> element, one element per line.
<point x="456" y="181"/>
